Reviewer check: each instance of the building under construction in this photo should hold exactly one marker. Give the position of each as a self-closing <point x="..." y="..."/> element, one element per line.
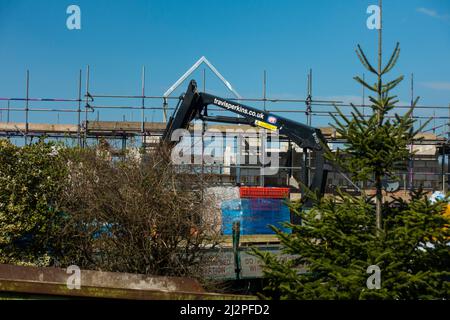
<point x="428" y="168"/>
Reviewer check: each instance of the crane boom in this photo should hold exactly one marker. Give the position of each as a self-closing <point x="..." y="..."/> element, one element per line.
<point x="194" y="106"/>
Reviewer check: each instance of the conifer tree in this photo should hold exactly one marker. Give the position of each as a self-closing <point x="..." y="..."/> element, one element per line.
<point x="376" y="146"/>
<point x="342" y="236"/>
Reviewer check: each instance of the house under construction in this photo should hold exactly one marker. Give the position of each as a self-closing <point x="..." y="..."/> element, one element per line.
<point x="428" y="168"/>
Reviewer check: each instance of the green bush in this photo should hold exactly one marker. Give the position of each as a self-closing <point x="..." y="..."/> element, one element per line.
<point x="29" y="189"/>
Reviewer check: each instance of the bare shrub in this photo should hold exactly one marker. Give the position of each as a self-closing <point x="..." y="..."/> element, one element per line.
<point x="132" y="215"/>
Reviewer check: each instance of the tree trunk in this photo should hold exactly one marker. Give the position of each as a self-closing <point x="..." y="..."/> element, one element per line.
<point x="379" y="202"/>
<point x="379" y="195"/>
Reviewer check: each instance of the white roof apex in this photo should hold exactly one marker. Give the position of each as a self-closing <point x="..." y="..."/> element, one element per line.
<point x="195" y="67"/>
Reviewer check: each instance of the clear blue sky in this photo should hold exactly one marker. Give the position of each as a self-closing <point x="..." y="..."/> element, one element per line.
<point x="241" y="38"/>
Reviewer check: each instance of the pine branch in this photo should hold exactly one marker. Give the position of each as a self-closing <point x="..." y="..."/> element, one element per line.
<point x="342" y="117"/>
<point x="360" y="115"/>
<point x="365" y="84"/>
<point x="362" y="57"/>
<point x="376" y="104"/>
<point x="393" y="60"/>
<point x="357" y="122"/>
<point x="340" y="127"/>
<point x="392" y="84"/>
<point x="422" y="126"/>
<point x="391" y="102"/>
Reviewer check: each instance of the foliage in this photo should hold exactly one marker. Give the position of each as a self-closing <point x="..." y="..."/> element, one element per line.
<point x="342" y="236"/>
<point x="375" y="145"/>
<point x="61" y="206"/>
<point x="29" y="191"/>
<point x="134" y="216"/>
<point x="337" y="242"/>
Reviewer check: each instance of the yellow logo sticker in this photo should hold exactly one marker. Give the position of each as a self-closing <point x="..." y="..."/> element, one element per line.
<point x="266" y="125"/>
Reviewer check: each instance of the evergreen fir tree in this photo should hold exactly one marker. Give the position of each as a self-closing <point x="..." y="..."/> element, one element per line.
<point x="342" y="236"/>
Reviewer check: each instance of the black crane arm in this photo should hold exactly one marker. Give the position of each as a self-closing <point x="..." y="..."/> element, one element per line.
<point x="194" y="105"/>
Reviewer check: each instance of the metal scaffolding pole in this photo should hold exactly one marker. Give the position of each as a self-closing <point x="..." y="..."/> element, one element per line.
<point x="143" y="106"/>
<point x="448" y="155"/>
<point x="263" y="139"/>
<point x="79" y="110"/>
<point x="7" y="113"/>
<point x="204" y="80"/>
<point x="27" y="105"/>
<point x="86" y="107"/>
<point x="264" y="89"/>
<point x="411" y="148"/>
<point x="307" y="156"/>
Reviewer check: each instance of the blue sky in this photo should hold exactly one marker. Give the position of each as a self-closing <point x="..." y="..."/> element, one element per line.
<point x="241" y="38"/>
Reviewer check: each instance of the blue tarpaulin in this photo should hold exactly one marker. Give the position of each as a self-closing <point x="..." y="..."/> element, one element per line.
<point x="255" y="215"/>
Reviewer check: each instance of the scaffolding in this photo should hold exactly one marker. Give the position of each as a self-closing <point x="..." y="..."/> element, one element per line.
<point x="84" y="129"/>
